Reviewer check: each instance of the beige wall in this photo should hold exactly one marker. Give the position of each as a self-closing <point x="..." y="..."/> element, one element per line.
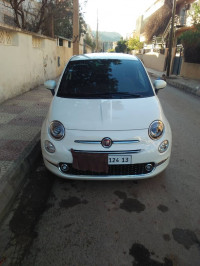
<point x="190" y="70"/>
<point x="153" y="60"/>
<point x="27" y="60"/>
<point x="157" y="61"/>
<point x="88" y="49"/>
<point x="84" y="48"/>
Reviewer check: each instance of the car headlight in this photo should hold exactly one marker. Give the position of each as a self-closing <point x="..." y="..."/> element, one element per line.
<point x="57" y="130"/>
<point x="156" y="129"/>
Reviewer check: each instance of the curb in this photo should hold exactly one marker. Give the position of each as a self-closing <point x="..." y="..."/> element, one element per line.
<point x="184" y="87"/>
<point x="180" y="86"/>
<point x="13" y="180"/>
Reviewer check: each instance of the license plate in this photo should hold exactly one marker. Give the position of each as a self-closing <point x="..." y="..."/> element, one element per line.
<point x="119" y="159"/>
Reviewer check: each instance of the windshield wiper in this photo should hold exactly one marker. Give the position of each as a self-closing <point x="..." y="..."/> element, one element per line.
<point x="127" y="94"/>
<point x="101" y="95"/>
<point x="115" y="94"/>
<point x="76" y="95"/>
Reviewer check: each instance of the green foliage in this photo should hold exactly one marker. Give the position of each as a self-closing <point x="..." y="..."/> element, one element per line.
<point x="62" y="15"/>
<point x="191" y="39"/>
<point x="48" y="17"/>
<point x="195" y="13"/>
<point x="135" y="44"/>
<point x="191" y="43"/>
<point x="111" y="50"/>
<point x="88" y="40"/>
<point x="121" y="46"/>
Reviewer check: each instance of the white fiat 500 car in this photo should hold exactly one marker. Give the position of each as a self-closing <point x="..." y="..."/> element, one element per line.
<point x="105" y="121"/>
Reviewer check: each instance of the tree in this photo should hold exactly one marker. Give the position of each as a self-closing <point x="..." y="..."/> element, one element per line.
<point x="60" y="13"/>
<point x="47" y="17"/>
<point x="191" y="43"/>
<point x="111" y="50"/>
<point x="88" y="40"/>
<point x="28" y="15"/>
<point x="190" y="39"/>
<point x="121" y="46"/>
<point x="195" y="13"/>
<point x="135" y="44"/>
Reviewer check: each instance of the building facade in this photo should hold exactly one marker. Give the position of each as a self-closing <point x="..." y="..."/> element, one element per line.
<point x="156" y="20"/>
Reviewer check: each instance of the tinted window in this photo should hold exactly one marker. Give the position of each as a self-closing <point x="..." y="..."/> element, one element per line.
<point x="102" y="78"/>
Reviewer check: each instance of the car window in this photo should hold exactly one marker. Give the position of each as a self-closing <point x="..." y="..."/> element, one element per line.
<point x="105" y="78"/>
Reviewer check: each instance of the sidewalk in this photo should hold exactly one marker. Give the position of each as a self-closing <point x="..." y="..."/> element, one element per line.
<point x="20" y="123"/>
<point x="189" y="85"/>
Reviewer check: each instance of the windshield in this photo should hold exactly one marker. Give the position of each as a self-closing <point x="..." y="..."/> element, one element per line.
<point x="105" y="79"/>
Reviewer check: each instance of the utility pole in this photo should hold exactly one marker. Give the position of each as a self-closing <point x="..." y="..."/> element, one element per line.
<point x="97" y="34"/>
<point x="75" y="27"/>
<point x="171" y="38"/>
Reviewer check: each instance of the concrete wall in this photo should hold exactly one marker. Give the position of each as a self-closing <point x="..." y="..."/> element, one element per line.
<point x="88" y="49"/>
<point x="190" y="70"/>
<point x="84" y="49"/>
<point x="153" y="60"/>
<point x="157" y="61"/>
<point x="27" y="60"/>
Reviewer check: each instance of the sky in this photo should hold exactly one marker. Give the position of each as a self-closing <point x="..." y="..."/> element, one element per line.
<point x="115" y="15"/>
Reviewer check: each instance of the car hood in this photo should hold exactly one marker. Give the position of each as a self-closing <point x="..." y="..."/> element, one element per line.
<point x="105" y="114"/>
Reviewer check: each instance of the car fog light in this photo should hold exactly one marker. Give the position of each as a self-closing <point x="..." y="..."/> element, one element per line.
<point x="49" y="146"/>
<point x="64" y="167"/>
<point x="163" y="146"/>
<point x="149" y="167"/>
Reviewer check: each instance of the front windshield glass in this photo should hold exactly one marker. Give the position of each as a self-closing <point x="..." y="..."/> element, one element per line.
<point x="105" y="79"/>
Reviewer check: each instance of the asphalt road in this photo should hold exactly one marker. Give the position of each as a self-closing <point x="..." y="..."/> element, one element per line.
<point x="154" y="222"/>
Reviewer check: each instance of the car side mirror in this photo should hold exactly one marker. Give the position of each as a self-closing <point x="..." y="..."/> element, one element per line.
<point x="50" y="85"/>
<point x="159" y="84"/>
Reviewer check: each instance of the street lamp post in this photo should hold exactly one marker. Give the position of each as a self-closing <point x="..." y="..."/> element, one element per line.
<point x="97" y="34"/>
<point x="75" y="27"/>
<point x="171" y="38"/>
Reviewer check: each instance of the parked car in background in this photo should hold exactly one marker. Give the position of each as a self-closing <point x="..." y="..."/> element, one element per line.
<point x="105" y="121"/>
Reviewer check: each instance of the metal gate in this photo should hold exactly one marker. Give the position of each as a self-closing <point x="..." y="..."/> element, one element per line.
<point x="178" y="60"/>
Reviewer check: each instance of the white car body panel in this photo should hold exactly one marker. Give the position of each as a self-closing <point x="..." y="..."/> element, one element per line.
<point x="92" y="120"/>
<point x="106" y="114"/>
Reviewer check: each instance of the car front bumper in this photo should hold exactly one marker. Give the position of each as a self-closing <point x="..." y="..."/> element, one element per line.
<point x="143" y="151"/>
<point x="56" y="170"/>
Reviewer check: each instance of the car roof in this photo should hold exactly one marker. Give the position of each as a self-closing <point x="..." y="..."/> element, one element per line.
<point x="104" y="56"/>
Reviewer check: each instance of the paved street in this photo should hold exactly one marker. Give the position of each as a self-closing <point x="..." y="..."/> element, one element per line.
<point x="153" y="222"/>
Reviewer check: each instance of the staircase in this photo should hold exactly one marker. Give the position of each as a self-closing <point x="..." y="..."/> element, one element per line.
<point x="167" y="30"/>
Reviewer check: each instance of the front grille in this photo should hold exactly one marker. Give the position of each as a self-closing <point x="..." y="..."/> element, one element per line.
<point x="129" y="169"/>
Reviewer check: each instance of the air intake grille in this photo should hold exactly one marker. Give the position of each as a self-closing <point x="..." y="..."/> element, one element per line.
<point x="132" y="169"/>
